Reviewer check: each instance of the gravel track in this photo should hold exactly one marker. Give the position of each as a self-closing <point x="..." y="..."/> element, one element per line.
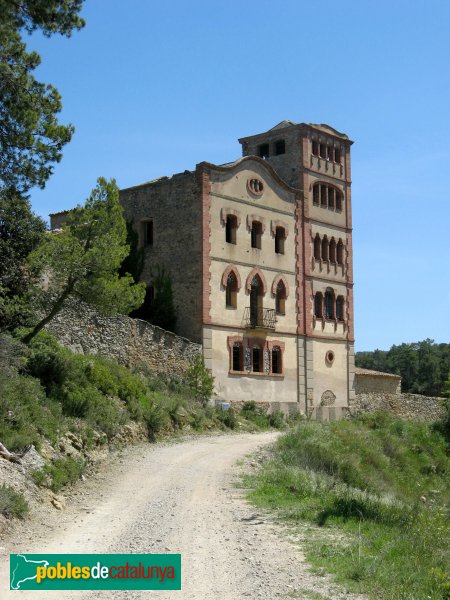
<point x="180" y="498"/>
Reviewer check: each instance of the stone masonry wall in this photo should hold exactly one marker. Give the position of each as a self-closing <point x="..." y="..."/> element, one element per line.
<point x="173" y="204"/>
<point x="131" y="342"/>
<point x="411" y="406"/>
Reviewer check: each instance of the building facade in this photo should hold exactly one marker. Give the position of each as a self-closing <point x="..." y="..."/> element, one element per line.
<point x="259" y="252"/>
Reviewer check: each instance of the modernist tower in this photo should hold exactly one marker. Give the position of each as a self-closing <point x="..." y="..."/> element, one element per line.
<point x="259" y="252"/>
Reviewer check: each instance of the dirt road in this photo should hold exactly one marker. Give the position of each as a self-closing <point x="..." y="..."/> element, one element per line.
<point x="178" y="498"/>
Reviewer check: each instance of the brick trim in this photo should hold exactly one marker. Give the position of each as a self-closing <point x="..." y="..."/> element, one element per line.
<point x="276" y="223"/>
<point x="204" y="187"/>
<point x="264" y="345"/>
<point x="275" y="282"/>
<point x="300" y="257"/>
<point x="225" y="212"/>
<point x="251" y="218"/>
<point x="228" y="270"/>
<point x="251" y="275"/>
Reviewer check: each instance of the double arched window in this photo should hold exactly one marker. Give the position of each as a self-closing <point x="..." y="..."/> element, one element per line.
<point x="327" y="196"/>
<point x="328" y="306"/>
<point x="256" y="355"/>
<point x="329" y="250"/>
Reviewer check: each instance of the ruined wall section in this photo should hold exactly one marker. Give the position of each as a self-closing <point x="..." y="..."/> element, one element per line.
<point x="173" y="205"/>
<point x="131" y="342"/>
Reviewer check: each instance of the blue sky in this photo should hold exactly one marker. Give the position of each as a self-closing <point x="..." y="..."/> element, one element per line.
<point x="155" y="87"/>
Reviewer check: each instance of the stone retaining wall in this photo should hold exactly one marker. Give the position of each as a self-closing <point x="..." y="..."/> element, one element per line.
<point x="411" y="406"/>
<point x="131" y="342"/>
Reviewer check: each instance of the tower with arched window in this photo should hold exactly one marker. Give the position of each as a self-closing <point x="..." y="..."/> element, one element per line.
<point x="259" y="253"/>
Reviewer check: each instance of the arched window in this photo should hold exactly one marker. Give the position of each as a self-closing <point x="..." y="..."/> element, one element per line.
<point x="340" y="308"/>
<point x="280" y="236"/>
<point x="280" y="299"/>
<point x="316" y="194"/>
<point x="338" y="200"/>
<point x="256" y="304"/>
<point x="323" y="196"/>
<point x="230" y="229"/>
<point x="329" y="304"/>
<point x="332" y="250"/>
<point x="331" y="195"/>
<point x="231" y="291"/>
<point x="317" y="247"/>
<point x="325" y="248"/>
<point x="277" y="366"/>
<point x="256" y="234"/>
<point x="318" y="304"/>
<point x="257" y="357"/>
<point x="238" y="357"/>
<point x="340" y="253"/>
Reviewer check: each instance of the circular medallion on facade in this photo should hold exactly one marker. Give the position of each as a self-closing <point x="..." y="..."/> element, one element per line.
<point x="255" y="186"/>
<point x="329" y="357"/>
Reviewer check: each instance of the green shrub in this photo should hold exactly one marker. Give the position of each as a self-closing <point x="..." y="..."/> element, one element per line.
<point x="227" y="417"/>
<point x="199" y="380"/>
<point x="59" y="473"/>
<point x="12" y="504"/>
<point x="256" y="413"/>
<point x="154" y="419"/>
<point x="277" y="419"/>
<point x="26" y="414"/>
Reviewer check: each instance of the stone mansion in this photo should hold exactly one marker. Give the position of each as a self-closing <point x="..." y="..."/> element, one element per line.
<point x="259" y="252"/>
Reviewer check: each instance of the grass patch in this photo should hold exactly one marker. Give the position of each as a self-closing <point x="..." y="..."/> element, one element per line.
<point x="377" y="487"/>
<point x="12" y="504"/>
<point x="47" y="391"/>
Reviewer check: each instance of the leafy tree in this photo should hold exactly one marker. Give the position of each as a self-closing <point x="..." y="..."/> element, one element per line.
<point x="82" y="261"/>
<point x="134" y="262"/>
<point x="423" y="365"/>
<point x="200" y="380"/>
<point x="20" y="232"/>
<point x="158" y="307"/>
<point x="31" y="139"/>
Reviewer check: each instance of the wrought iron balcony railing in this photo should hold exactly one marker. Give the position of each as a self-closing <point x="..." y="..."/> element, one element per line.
<point x="262" y="318"/>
